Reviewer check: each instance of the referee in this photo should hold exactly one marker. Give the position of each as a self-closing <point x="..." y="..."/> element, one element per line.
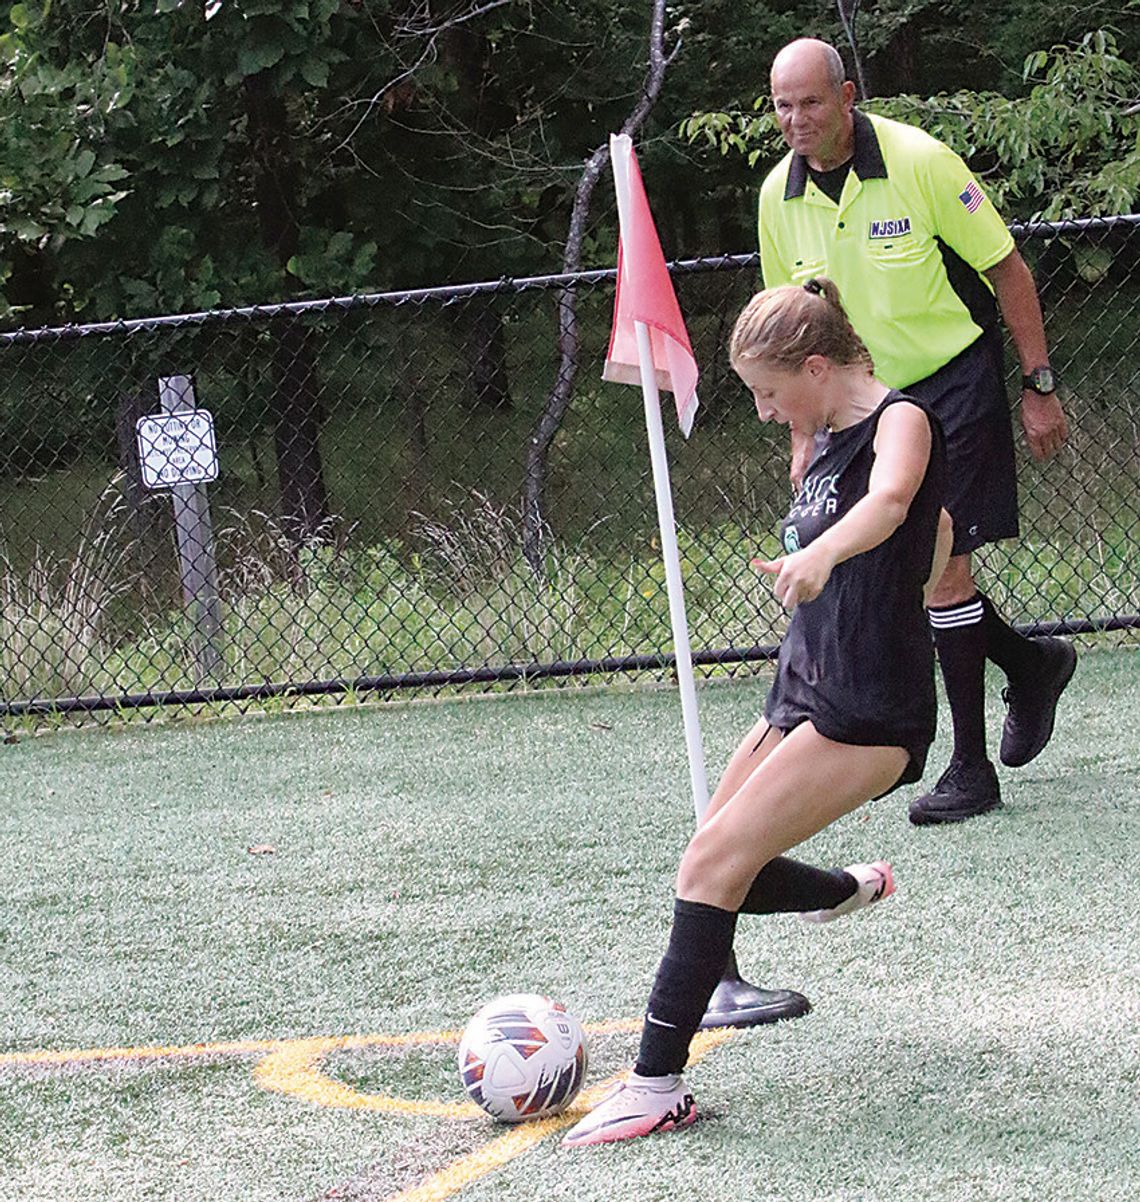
<point x="925" y="262"/>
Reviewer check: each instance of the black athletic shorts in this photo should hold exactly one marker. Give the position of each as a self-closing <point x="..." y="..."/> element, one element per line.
<point x="968" y="396"/>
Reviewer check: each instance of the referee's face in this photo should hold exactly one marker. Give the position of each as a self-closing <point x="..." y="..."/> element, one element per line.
<point x="814" y="115"/>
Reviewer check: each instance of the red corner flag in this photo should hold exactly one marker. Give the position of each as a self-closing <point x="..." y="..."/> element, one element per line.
<point x="645" y="293"/>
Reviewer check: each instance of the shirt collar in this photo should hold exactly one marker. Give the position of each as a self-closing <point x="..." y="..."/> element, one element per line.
<point x="867" y="159"/>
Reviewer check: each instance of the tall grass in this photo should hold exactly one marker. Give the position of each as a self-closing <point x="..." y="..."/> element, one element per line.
<point x="54" y="614"/>
<point x="458" y="593"/>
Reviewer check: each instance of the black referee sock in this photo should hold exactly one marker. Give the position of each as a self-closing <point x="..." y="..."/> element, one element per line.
<point x="1017" y="656"/>
<point x="785" y="886"/>
<point x="960" y="637"/>
<point x="694" y="962"/>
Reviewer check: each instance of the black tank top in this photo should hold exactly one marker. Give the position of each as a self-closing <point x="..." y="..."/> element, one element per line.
<point x="859" y="660"/>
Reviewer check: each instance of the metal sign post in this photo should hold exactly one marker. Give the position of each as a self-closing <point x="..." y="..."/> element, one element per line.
<point x="176" y="451"/>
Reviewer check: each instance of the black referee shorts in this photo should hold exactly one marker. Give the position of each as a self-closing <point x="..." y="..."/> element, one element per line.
<point x="968" y="397"/>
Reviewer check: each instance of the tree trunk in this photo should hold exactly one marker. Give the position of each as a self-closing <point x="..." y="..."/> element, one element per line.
<point x="148" y="513"/>
<point x="490" y="384"/>
<point x="296" y="438"/>
<point x="296" y="414"/>
<point x="558" y="401"/>
<point x="463" y="49"/>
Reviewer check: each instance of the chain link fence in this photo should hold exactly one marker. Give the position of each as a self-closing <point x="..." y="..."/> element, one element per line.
<point x="434" y="489"/>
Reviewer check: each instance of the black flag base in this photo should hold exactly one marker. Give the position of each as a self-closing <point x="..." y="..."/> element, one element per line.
<point x="736" y="1003"/>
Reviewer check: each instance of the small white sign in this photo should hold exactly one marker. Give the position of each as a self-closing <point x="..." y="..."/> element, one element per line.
<point x="177" y="448"/>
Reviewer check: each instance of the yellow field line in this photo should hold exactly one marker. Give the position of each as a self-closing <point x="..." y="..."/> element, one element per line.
<point x="293" y="1067"/>
<point x="295" y="1071"/>
<point x="321" y="1044"/>
<point x="246" y="1047"/>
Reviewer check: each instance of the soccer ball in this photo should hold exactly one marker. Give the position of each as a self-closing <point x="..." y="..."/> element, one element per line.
<point x="523" y="1056"/>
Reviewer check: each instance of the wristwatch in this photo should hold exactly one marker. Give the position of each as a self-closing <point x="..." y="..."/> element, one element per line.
<point x="1040" y="380"/>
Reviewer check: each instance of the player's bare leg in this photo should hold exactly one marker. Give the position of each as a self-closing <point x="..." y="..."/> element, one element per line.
<point x="800" y="786"/>
<point x="735" y="1001"/>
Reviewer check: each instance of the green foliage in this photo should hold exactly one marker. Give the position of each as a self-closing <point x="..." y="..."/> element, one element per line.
<point x="756" y="136"/>
<point x="168" y="155"/>
<point x="335" y="261"/>
<point x="175" y="154"/>
<point x="1069" y="147"/>
<point x="146" y="138"/>
<point x="59" y="181"/>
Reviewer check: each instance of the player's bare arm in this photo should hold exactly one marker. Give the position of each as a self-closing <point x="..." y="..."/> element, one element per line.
<point x="902" y="452"/>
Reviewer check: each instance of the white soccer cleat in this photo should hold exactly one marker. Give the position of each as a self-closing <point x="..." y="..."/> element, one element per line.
<point x="636" y="1107"/>
<point x="876" y="882"/>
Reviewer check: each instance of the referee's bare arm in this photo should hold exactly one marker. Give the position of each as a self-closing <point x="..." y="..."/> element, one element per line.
<point x="1043" y="419"/>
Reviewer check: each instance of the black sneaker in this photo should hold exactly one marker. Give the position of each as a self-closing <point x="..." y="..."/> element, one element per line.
<point x="1032" y="704"/>
<point x="963" y="791"/>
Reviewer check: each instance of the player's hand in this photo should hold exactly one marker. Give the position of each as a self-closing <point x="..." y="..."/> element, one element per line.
<point x="1044" y="422"/>
<point x="799" y="577"/>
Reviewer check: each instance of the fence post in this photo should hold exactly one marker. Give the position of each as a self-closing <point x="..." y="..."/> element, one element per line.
<point x="194" y="533"/>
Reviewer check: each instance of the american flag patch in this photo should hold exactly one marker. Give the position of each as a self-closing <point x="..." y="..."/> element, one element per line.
<point x="972" y="197"/>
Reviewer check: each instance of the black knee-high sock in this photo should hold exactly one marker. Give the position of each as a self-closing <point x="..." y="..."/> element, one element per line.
<point x="686" y="977"/>
<point x="1016" y="655"/>
<point x="785" y="886"/>
<point x="960" y="637"/>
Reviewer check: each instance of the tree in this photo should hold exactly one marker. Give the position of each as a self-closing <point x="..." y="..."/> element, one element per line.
<point x="559" y="398"/>
<point x="1069" y="146"/>
<point x="212" y="150"/>
<point x="175" y="155"/>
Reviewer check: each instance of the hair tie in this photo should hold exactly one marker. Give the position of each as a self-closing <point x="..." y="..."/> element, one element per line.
<point x="814" y="287"/>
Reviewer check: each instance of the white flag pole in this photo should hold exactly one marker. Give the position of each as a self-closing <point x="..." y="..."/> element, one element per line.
<point x="673" y="583"/>
<point x="666" y="523"/>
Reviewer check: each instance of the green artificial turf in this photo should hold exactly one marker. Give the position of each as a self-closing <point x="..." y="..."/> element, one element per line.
<point x="974" y="1038"/>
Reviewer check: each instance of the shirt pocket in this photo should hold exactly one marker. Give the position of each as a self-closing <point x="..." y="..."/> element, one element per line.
<point x="898" y="253"/>
<point x="904" y="279"/>
<point x="807" y="269"/>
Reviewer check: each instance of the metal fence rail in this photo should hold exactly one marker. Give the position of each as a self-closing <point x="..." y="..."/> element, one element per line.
<point x="401" y="499"/>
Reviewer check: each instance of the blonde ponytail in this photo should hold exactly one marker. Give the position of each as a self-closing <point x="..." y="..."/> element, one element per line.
<point x="783" y="326"/>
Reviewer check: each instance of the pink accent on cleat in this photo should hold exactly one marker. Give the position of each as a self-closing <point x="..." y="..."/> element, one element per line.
<point x="875" y="882"/>
<point x="633" y="1110"/>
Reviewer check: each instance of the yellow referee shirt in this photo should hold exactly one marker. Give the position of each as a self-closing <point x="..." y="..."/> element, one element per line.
<point x="906" y="243"/>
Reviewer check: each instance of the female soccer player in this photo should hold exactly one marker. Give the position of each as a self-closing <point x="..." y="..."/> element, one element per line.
<point x="851" y="713"/>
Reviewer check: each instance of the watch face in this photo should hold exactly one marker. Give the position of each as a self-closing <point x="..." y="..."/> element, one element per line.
<point x="1041" y="380"/>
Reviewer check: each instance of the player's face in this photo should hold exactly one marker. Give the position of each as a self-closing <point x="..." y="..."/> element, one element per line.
<point x="814" y="115"/>
<point x="788" y="397"/>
